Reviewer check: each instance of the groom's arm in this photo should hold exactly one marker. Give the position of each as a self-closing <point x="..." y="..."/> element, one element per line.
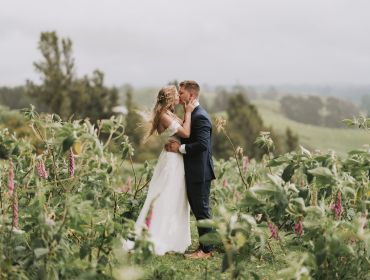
<point x="202" y="131"/>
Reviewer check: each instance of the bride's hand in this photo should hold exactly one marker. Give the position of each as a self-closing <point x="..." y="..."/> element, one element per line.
<point x="190" y="106"/>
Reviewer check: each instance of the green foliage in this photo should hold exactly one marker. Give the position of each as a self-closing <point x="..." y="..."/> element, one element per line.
<point x="14" y="122"/>
<point x="245" y="124"/>
<point x="134" y="121"/>
<point x="359" y="122"/>
<point x="313" y="137"/>
<point x="301" y="109"/>
<point x="291" y="140"/>
<point x="14" y="97"/>
<point x="70" y="226"/>
<point x="73" y="226"/>
<point x="312" y="110"/>
<point x="338" y="109"/>
<point x="61" y="92"/>
<point x="244" y="127"/>
<point x="286" y="190"/>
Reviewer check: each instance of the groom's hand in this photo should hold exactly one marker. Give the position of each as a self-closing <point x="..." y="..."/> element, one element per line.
<point x="172" y="146"/>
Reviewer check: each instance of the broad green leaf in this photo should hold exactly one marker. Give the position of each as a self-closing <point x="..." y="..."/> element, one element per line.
<point x="240" y="239"/>
<point x="305" y="152"/>
<point x="249" y="219"/>
<point x="277" y="161"/>
<point x="321" y="171"/>
<point x="206" y="223"/>
<point x="276" y="180"/>
<point x="68" y="142"/>
<point x="39" y="252"/>
<point x="211" y="238"/>
<point x="265" y="189"/>
<point x="288" y="173"/>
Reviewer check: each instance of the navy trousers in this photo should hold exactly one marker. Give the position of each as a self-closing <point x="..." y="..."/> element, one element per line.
<point x="198" y="196"/>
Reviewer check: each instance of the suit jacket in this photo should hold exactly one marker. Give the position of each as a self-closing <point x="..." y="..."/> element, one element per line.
<point x="198" y="158"/>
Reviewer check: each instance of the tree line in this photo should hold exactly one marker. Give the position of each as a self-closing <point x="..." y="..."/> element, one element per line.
<point x="328" y="112"/>
<point x="64" y="93"/>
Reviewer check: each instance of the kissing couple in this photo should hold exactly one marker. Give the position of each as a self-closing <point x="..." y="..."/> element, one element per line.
<point x="182" y="176"/>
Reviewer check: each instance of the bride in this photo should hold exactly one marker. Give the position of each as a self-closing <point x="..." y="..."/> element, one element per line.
<point x="166" y="211"/>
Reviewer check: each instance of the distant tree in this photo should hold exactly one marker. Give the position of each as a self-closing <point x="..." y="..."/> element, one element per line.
<point x="91" y="98"/>
<point x="301" y="109"/>
<point x="279" y="145"/>
<point x="244" y="125"/>
<point x="134" y="121"/>
<point x="337" y="110"/>
<point x="15" y="122"/>
<point x="290" y="106"/>
<point x="221" y="147"/>
<point x="292" y="141"/>
<point x="221" y="100"/>
<point x="15" y="97"/>
<point x="61" y="91"/>
<point x="248" y="93"/>
<point x="311" y="110"/>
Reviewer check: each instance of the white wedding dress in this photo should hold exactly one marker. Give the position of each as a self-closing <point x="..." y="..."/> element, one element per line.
<point x="169" y="226"/>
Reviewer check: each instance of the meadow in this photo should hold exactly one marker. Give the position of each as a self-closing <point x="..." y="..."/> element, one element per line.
<point x="67" y="205"/>
<point x="341" y="140"/>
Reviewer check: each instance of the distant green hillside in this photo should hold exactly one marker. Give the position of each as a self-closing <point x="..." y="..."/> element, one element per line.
<point x="313" y="137"/>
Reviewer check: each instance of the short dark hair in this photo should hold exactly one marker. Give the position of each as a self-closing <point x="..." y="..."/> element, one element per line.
<point x="190" y="85"/>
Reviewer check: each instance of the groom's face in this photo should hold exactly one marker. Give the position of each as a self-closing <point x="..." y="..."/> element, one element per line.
<point x="184" y="95"/>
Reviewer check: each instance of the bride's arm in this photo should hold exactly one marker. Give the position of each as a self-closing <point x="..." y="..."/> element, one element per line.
<point x="182" y="131"/>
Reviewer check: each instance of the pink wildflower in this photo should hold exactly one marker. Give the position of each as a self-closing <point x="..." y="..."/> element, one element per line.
<point x="41" y="170"/>
<point x="298" y="228"/>
<point x="71" y="164"/>
<point x="15" y="212"/>
<point x="149" y="216"/>
<point x="11" y="178"/>
<point x="337" y="207"/>
<point x="225" y="183"/>
<point x="274" y="231"/>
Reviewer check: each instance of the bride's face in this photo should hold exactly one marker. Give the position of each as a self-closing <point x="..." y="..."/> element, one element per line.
<point x="176" y="100"/>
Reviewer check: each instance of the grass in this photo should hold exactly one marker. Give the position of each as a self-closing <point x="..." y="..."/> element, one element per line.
<point x="176" y="266"/>
<point x="341" y="140"/>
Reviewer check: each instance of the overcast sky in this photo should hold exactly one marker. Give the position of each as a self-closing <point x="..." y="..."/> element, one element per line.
<point x="213" y="41"/>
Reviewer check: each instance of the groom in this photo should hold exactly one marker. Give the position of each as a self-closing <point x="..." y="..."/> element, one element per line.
<point x="197" y="151"/>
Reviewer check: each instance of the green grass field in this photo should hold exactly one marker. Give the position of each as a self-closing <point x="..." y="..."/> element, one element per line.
<point x="176" y="266"/>
<point x="341" y="140"/>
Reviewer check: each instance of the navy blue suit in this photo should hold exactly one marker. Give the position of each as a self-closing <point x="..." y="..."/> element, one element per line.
<point x="199" y="167"/>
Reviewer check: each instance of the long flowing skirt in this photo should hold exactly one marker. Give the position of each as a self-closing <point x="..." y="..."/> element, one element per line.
<point x="166" y="209"/>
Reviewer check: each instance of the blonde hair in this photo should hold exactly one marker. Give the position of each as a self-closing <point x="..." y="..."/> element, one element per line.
<point x="191" y="85"/>
<point x="165" y="101"/>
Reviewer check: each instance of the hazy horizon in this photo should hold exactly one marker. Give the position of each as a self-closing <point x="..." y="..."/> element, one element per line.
<point x="148" y="43"/>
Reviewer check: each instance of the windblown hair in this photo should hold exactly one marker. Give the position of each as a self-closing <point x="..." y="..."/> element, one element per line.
<point x="165" y="101"/>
